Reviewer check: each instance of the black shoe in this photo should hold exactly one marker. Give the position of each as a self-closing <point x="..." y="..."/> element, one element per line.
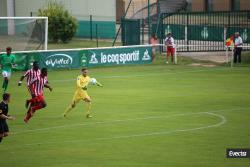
<point x="27" y="104"/>
<point x="89" y="116"/>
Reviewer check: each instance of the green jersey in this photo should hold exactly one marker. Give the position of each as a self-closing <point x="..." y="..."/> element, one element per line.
<point x="7" y="61"/>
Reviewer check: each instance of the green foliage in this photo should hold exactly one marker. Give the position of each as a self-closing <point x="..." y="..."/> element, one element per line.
<point x="62" y="26"/>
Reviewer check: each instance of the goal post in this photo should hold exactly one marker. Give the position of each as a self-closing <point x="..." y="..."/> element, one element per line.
<point x="24" y="33"/>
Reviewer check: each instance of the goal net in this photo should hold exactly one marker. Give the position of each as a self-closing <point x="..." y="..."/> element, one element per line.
<point x="23" y="33"/>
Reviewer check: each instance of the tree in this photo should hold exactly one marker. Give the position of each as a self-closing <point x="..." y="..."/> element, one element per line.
<point x="62" y="25"/>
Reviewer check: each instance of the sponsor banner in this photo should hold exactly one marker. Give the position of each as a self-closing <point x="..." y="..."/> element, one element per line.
<point x="50" y="60"/>
<point x="120" y="56"/>
<point x="63" y="59"/>
<point x="85" y="58"/>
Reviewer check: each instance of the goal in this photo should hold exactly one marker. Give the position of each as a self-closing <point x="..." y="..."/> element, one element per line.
<point x="23" y="33"/>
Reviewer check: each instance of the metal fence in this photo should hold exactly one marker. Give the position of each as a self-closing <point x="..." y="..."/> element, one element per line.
<point x="130" y="31"/>
<point x="207" y="30"/>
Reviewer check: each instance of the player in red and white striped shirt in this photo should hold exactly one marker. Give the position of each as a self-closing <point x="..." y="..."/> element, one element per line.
<point x="37" y="102"/>
<point x="38" y="85"/>
<point x="31" y="76"/>
<point x="170" y="47"/>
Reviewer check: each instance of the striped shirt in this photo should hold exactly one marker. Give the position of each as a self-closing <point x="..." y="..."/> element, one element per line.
<point x="169" y="41"/>
<point x="38" y="85"/>
<point x="32" y="75"/>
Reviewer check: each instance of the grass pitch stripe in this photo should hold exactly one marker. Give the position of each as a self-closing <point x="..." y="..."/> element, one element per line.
<point x="222" y="121"/>
<point x="116" y="121"/>
<point x="143" y="75"/>
<point x="106" y="122"/>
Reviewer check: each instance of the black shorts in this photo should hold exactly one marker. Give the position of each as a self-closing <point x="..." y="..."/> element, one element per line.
<point x="3" y="127"/>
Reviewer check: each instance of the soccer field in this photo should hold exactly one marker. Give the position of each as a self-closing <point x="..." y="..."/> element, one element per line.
<point x="150" y="115"/>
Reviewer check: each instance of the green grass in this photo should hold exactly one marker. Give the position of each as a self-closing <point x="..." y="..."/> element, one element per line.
<point x="81" y="43"/>
<point x="150" y="115"/>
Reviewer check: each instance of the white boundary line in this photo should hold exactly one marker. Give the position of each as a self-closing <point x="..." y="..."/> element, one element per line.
<point x="104" y="122"/>
<point x="117" y="121"/>
<point x="221" y="122"/>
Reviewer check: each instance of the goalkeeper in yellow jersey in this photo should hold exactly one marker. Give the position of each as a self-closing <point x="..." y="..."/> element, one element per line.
<point x="82" y="83"/>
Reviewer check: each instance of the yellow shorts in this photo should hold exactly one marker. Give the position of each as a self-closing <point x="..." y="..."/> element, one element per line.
<point x="80" y="95"/>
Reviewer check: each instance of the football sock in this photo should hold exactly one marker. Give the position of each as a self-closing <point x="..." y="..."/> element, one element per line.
<point x="88" y="107"/>
<point x="1" y="139"/>
<point x="33" y="109"/>
<point x="28" y="116"/>
<point x="6" y="85"/>
<point x="68" y="109"/>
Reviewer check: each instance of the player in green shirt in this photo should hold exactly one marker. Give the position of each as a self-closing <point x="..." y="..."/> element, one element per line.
<point x="7" y="61"/>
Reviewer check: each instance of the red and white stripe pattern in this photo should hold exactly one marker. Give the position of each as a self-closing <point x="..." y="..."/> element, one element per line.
<point x="32" y="75"/>
<point x="169" y="41"/>
<point x="38" y="85"/>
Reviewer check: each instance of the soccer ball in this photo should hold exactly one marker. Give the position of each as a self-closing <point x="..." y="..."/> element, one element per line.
<point x="93" y="81"/>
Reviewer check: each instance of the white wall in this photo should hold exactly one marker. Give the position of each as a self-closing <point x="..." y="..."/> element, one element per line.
<point x="102" y="10"/>
<point x="3" y="8"/>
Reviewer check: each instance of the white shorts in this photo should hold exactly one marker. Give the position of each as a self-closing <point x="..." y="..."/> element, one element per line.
<point x="6" y="74"/>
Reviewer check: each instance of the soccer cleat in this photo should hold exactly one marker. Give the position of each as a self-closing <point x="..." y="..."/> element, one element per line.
<point x="26" y="120"/>
<point x="89" y="116"/>
<point x="27" y="104"/>
<point x="166" y="62"/>
<point x="64" y="115"/>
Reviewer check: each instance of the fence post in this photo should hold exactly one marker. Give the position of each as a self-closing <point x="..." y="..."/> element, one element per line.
<point x="227" y="58"/>
<point x="96" y="32"/>
<point x="175" y="55"/>
<point x="186" y="34"/>
<point x="142" y="33"/>
<point x="90" y="25"/>
<point x="149" y="22"/>
<point x="225" y="33"/>
<point x="232" y="58"/>
<point x="162" y="38"/>
<point x="187" y="31"/>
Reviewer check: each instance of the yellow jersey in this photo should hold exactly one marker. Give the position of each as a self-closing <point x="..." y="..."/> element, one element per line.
<point x="82" y="83"/>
